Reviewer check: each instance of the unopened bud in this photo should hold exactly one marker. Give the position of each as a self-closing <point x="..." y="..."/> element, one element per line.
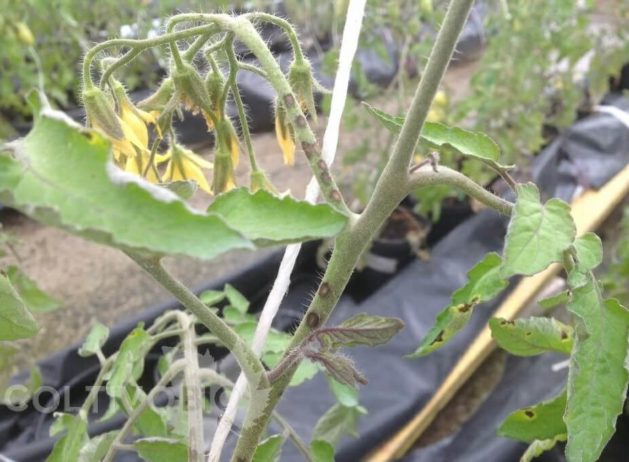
<point x="158" y="100"/>
<point x="223" y="171"/>
<point x="24" y="34"/>
<point x="191" y="87"/>
<point x="100" y="113"/>
<point x="214" y="84"/>
<point x="300" y="79"/>
<point x="260" y="181"/>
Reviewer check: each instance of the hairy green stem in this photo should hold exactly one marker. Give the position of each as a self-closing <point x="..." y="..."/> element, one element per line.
<point x="446" y="176"/>
<point x="285" y="26"/>
<point x="352" y="242"/>
<point x="194" y="394"/>
<point x="249" y="362"/>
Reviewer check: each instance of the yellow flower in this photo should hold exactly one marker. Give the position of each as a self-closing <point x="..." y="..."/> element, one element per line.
<point x="183" y="164"/>
<point x="284" y="136"/>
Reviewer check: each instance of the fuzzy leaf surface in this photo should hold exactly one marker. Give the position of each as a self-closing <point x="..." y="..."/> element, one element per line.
<point x="16" y="321"/>
<point x="598" y="376"/>
<point x="61" y="175"/>
<point x="532" y="336"/>
<point x="360" y="329"/>
<point x="438" y="135"/>
<point x="538" y="234"/>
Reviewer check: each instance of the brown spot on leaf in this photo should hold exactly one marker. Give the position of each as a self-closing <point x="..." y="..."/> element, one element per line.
<point x="506" y="322"/>
<point x="438" y="339"/>
<point x="464" y="308"/>
<point x="530" y="414"/>
<point x="564" y="335"/>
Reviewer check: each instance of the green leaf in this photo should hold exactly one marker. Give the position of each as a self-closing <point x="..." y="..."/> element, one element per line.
<point x="532" y="336"/>
<point x="151" y="421"/>
<point x="361" y="329"/>
<point x="95" y="340"/>
<point x="68" y="447"/>
<point x="538" y="447"/>
<point x="484" y="283"/>
<point x="438" y="135"/>
<point x="598" y="377"/>
<point x="161" y="449"/>
<point x="267" y="219"/>
<point x="344" y="394"/>
<point x="538" y="234"/>
<point x="129" y="362"/>
<point x="540" y="422"/>
<point x="212" y="297"/>
<point x="102" y="203"/>
<point x="390" y="122"/>
<point x="555" y="300"/>
<point x="339" y="367"/>
<point x="33" y="297"/>
<point x="589" y="252"/>
<point x="97" y="447"/>
<point x="16" y="321"/>
<point x="236" y="299"/>
<point x="322" y="451"/>
<point x="337" y="422"/>
<point x="269" y="449"/>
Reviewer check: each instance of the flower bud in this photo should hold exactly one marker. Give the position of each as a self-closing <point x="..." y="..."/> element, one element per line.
<point x="100" y="113"/>
<point x="158" y="100"/>
<point x="191" y="88"/>
<point x="24" y="34"/>
<point x="223" y="171"/>
<point x="260" y="181"/>
<point x="214" y="84"/>
<point x="300" y="79"/>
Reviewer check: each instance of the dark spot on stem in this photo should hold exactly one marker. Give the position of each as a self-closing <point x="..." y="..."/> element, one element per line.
<point x="335" y="195"/>
<point x="312" y="320"/>
<point x="301" y="121"/>
<point x="310" y="149"/>
<point x="289" y="100"/>
<point x="322" y="165"/>
<point x="326" y="178"/>
<point x="324" y="289"/>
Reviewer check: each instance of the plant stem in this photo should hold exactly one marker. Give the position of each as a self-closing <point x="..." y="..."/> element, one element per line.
<point x="351" y="243"/>
<point x="426" y="176"/>
<point x="194" y="395"/>
<point x="285" y="26"/>
<point x="247" y="359"/>
<point x="168" y="376"/>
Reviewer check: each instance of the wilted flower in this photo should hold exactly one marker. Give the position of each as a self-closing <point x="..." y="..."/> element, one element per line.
<point x="284" y="134"/>
<point x="183" y="164"/>
<point x="300" y="79"/>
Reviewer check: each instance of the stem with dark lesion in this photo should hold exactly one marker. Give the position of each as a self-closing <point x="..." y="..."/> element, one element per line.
<point x="394" y="183"/>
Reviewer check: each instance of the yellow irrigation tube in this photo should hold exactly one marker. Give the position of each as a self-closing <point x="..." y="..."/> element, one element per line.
<point x="588" y="210"/>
